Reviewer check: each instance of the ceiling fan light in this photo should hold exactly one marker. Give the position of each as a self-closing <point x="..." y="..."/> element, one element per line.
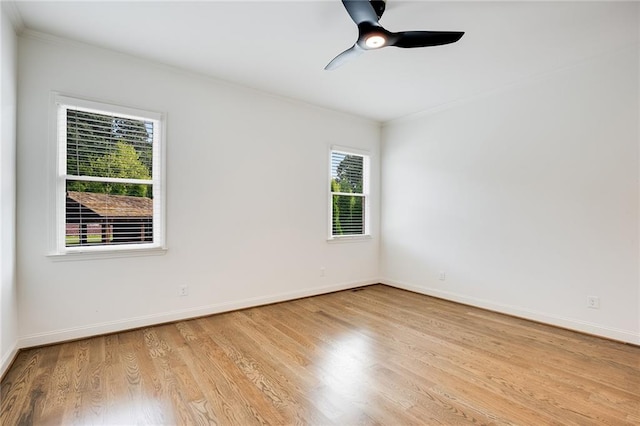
<point x="375" y="41"/>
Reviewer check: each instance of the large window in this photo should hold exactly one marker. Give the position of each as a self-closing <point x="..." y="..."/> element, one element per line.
<point x="349" y="193"/>
<point x="109" y="188"/>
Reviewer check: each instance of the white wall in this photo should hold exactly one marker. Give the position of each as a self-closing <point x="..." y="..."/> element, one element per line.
<point x="247" y="181"/>
<point x="527" y="199"/>
<point x="8" y="298"/>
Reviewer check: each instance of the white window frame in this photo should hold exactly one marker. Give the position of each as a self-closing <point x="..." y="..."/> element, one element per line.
<point x="366" y="178"/>
<point x="59" y="105"/>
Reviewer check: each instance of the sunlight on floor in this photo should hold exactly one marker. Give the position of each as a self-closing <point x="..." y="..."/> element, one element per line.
<point x="344" y="374"/>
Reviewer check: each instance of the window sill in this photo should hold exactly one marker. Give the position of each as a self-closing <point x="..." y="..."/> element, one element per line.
<point x="349" y="239"/>
<point x="106" y="254"/>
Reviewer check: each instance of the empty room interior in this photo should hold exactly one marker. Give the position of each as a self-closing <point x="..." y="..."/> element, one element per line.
<point x="320" y="212"/>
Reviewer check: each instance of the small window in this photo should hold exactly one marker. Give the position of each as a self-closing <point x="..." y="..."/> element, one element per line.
<point x="349" y="194"/>
<point x="109" y="177"/>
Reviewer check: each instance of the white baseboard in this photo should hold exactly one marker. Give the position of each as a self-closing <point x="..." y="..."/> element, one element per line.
<point x="542" y="317"/>
<point x="57" y="336"/>
<point x="7" y="359"/>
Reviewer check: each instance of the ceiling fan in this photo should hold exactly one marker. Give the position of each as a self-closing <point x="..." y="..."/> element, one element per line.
<point x="371" y="35"/>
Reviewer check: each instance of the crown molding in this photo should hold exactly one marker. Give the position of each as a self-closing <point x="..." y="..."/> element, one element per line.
<point x="10" y="8"/>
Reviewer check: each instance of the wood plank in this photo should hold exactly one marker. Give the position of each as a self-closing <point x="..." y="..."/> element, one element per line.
<point x="17" y="387"/>
<point x="377" y="355"/>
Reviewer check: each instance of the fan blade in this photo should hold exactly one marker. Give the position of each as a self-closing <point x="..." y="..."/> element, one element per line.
<point x="346" y="56"/>
<point x="360" y="11"/>
<point x="425" y="38"/>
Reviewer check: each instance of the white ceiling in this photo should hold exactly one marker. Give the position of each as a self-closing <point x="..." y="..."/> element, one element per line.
<point x="282" y="46"/>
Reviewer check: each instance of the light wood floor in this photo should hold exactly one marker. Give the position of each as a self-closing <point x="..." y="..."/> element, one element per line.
<point x="374" y="356"/>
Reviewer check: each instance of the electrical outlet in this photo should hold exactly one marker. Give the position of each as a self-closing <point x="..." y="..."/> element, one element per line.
<point x="593" y="302"/>
<point x="442" y="276"/>
<point x="184" y="290"/>
<point x="323" y="270"/>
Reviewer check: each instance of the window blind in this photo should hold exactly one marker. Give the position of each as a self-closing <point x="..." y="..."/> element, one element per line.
<point x="348" y="197"/>
<point x="109" y="185"/>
